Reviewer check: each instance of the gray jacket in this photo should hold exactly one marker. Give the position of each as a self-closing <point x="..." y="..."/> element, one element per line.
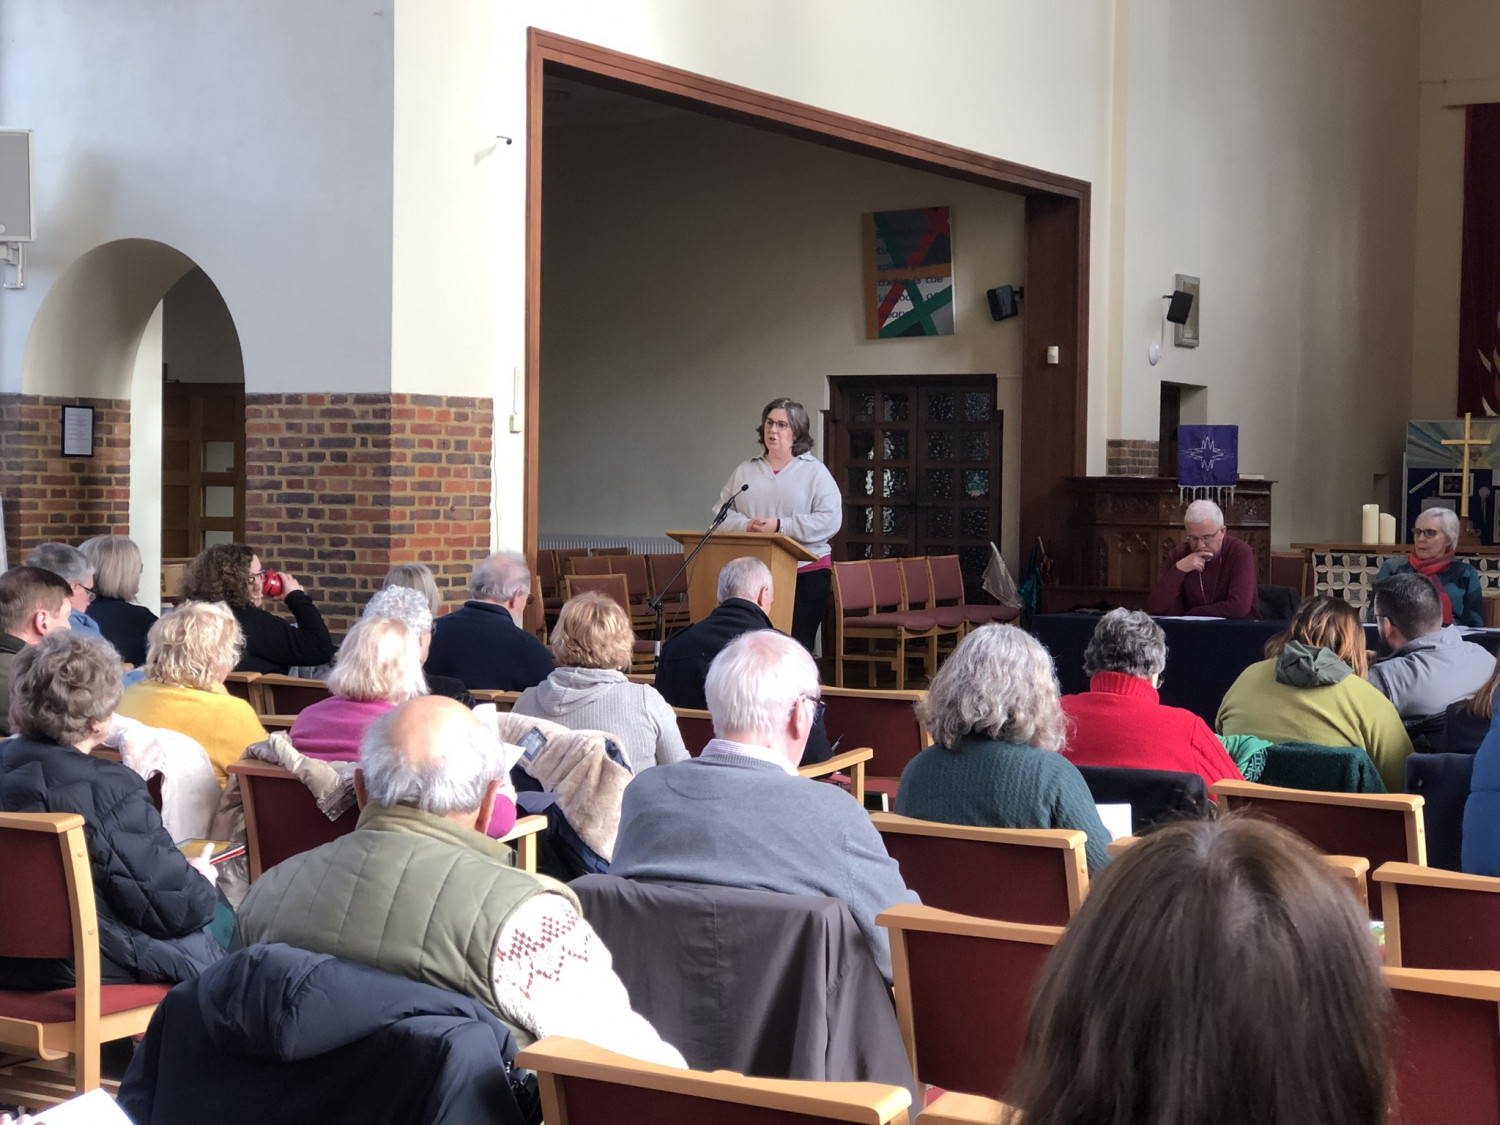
<point x="643" y="724"/>
<point x="1424" y="676"/>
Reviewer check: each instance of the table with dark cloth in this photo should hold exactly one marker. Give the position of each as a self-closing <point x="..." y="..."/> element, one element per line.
<point x="1203" y="657"/>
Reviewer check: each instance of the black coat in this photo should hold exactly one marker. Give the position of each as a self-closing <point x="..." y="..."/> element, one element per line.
<point x="150" y="901"/>
<point x="482" y="645"/>
<point x="682" y="667"/>
<point x="273" y="1033"/>
<point x="272" y="645"/>
<point x="124" y="625"/>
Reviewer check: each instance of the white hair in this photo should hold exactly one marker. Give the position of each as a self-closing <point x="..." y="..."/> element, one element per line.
<point x="405" y="604"/>
<point x="999" y="683"/>
<point x="381" y="658"/>
<point x="756" y="680"/>
<point x="1201" y="511"/>
<point x="1446" y="519"/>
<point x="451" y="779"/>
<point x="743" y="577"/>
<point x="501" y="577"/>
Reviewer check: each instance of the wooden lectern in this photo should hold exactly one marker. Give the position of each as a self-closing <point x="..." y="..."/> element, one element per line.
<point x="780" y="553"/>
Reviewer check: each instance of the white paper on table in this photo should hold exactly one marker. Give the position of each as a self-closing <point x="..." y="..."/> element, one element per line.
<point x="1186" y="617"/>
<point x="94" y="1108"/>
<point x="1116" y="818"/>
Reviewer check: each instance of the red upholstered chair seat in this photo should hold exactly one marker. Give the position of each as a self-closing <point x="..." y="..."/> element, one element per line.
<point x="916" y="622"/>
<point x="58" y="1006"/>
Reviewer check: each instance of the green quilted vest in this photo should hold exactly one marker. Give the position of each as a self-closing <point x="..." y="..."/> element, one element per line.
<point x="408" y="893"/>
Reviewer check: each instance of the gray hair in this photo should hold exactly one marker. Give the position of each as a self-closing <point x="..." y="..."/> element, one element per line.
<point x="1411" y="603"/>
<point x="451" y="779"/>
<point x="744" y="577"/>
<point x="63" y="685"/>
<point x="756" y="680"/>
<point x="999" y="683"/>
<point x="1128" y="641"/>
<point x="116" y="561"/>
<point x="501" y="577"/>
<point x="1446" y="518"/>
<point x="1201" y="511"/>
<point x="405" y="604"/>
<point x="419" y="578"/>
<point x="66" y="562"/>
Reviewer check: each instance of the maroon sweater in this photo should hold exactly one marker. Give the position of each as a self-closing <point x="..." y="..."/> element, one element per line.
<point x="1225" y="587"/>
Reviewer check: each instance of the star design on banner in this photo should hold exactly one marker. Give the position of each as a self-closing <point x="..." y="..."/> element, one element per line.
<point x="1207" y="454"/>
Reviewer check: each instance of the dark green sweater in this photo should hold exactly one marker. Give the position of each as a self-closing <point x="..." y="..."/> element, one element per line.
<point x="994" y="784"/>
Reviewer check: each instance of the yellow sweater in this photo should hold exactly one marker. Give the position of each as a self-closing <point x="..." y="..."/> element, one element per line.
<point x="220" y="723"/>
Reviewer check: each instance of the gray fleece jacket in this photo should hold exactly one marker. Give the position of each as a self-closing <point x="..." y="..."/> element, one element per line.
<point x="1424" y="676"/>
<point x="643" y="724"/>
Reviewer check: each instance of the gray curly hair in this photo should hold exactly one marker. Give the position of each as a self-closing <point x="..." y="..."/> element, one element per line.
<point x="404" y="604"/>
<point x="999" y="683"/>
<point x="1128" y="641"/>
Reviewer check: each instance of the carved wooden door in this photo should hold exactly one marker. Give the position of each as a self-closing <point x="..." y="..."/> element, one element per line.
<point x="203" y="466"/>
<point x="917" y="459"/>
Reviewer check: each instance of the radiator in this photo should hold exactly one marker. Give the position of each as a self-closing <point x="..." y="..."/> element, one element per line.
<point x="635" y="544"/>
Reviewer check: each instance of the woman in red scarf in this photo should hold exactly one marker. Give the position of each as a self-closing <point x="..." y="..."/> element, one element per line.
<point x="1432" y="556"/>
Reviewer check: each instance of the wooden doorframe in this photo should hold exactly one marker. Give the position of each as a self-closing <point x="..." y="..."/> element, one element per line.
<point x="1054" y="397"/>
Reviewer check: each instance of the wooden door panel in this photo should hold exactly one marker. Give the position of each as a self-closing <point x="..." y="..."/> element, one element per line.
<point x="203" y="449"/>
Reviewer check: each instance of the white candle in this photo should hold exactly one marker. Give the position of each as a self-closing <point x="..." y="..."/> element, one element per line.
<point x="1387" y="528"/>
<point x="1369" y="524"/>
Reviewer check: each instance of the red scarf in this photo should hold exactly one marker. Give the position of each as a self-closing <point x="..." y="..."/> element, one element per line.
<point x="1430" y="569"/>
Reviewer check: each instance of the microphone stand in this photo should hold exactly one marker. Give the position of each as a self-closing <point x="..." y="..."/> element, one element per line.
<point x="656" y="602"/>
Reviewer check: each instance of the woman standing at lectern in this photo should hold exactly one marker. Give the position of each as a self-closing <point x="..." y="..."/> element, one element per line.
<point x="1433" y="555"/>
<point x="789" y="491"/>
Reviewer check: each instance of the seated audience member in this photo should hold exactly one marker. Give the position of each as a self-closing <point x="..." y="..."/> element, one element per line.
<point x="738" y="815"/>
<point x="117" y="580"/>
<point x="1468" y="719"/>
<point x="1433" y="556"/>
<point x="1311" y="688"/>
<point x="1212" y="574"/>
<point x="33" y="603"/>
<point x="997" y="727"/>
<point x="415" y="576"/>
<point x="1429" y="666"/>
<point x="1216" y="972"/>
<point x="1120" y="721"/>
<point x="1481" y="829"/>
<point x="378" y="666"/>
<point x="188" y="654"/>
<point x="232" y="573"/>
<point x="408" y="604"/>
<point x="69" y="564"/>
<point x="419" y="891"/>
<point x="154" y="904"/>
<point x="746" y="594"/>
<point x="483" y="644"/>
<point x="588" y="690"/>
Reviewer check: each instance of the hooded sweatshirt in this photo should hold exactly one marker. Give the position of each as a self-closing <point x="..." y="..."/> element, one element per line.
<point x="642" y="723"/>
<point x="1308" y="694"/>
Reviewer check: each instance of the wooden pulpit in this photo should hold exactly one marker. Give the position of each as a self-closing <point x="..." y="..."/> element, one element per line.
<point x="780" y="553"/>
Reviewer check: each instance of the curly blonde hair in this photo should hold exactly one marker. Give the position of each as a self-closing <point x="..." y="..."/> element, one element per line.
<point x="999" y="683"/>
<point x="194" y="646"/>
<point x="592" y="631"/>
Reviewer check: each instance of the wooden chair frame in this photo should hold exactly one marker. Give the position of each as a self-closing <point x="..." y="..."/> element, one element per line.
<point x="846" y="761"/>
<point x="503" y="700"/>
<point x="1391" y="876"/>
<point x="52" y="1043"/>
<point x="846" y="630"/>
<point x="1409" y="804"/>
<point x="555" y="1057"/>
<point x="1071" y="842"/>
<point x="263" y="692"/>
<point x="251" y="693"/>
<point x="953" y="1108"/>
<point x="606" y="583"/>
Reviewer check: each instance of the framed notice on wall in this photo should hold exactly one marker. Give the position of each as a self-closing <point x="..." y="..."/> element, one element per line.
<point x="78" y="431"/>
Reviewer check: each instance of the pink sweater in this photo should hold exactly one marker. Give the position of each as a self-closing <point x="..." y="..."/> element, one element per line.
<point x="331" y="728"/>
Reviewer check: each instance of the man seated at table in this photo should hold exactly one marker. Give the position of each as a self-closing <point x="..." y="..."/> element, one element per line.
<point x="1212" y="574"/>
<point x="740" y="816"/>
<point x="1430" y="665"/>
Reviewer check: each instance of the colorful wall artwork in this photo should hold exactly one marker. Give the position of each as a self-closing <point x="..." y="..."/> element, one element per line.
<point x="908" y="273"/>
<point x="1434" y="477"/>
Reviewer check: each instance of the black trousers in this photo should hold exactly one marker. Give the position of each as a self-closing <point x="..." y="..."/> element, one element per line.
<point x="810" y="605"/>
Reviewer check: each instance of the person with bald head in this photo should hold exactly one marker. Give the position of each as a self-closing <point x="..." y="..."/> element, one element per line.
<point x="1210" y="574"/>
<point x="418" y="890"/>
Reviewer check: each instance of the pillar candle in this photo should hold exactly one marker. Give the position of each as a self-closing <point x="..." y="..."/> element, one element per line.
<point x="1387" y="528"/>
<point x="1369" y="524"/>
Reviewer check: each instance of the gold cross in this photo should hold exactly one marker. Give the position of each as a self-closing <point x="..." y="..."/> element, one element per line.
<point x="1465" y="441"/>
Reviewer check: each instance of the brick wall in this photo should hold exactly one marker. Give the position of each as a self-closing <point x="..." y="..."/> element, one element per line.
<point x="340" y="487"/>
<point x="1125" y="458"/>
<point x="49" y="496"/>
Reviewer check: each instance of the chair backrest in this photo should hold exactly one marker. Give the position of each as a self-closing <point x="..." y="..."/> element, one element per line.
<point x="853" y="589"/>
<point x="546" y="570"/>
<point x="1445" y="1051"/>
<point x="1443" y="780"/>
<point x="589" y="564"/>
<point x="172" y="571"/>
<point x="885" y="721"/>
<point x="633" y="567"/>
<point x="1034" y="876"/>
<point x="662" y="568"/>
<point x="963" y="991"/>
<point x="947" y="578"/>
<point x="581" y="1084"/>
<point x="917" y="581"/>
<point x="282" y="818"/>
<point x="610" y="584"/>
<point x="503" y="700"/>
<point x="1154" y="796"/>
<point x="1354" y="872"/>
<point x="534" y="616"/>
<point x="289" y="695"/>
<point x="1438" y="919"/>
<point x="1382" y="827"/>
<point x="565" y="560"/>
<point x="241" y="686"/>
<point x="885" y="575"/>
<point x="596" y="551"/>
<point x="696" y="728"/>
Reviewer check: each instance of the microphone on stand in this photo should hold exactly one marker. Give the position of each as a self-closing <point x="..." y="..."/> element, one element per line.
<point x="724" y="508"/>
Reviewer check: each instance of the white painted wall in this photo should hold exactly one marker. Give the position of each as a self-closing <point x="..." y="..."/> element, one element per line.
<point x="695" y="269"/>
<point x="199" y="340"/>
<point x="145" y="457"/>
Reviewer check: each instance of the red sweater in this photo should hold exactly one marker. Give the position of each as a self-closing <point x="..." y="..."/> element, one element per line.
<point x="1225" y="587"/>
<point x="1120" y="722"/>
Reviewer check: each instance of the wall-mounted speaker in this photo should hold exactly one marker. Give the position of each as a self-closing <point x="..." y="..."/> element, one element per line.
<point x="1180" y="308"/>
<point x="17" y="212"/>
<point x="1004" y="301"/>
